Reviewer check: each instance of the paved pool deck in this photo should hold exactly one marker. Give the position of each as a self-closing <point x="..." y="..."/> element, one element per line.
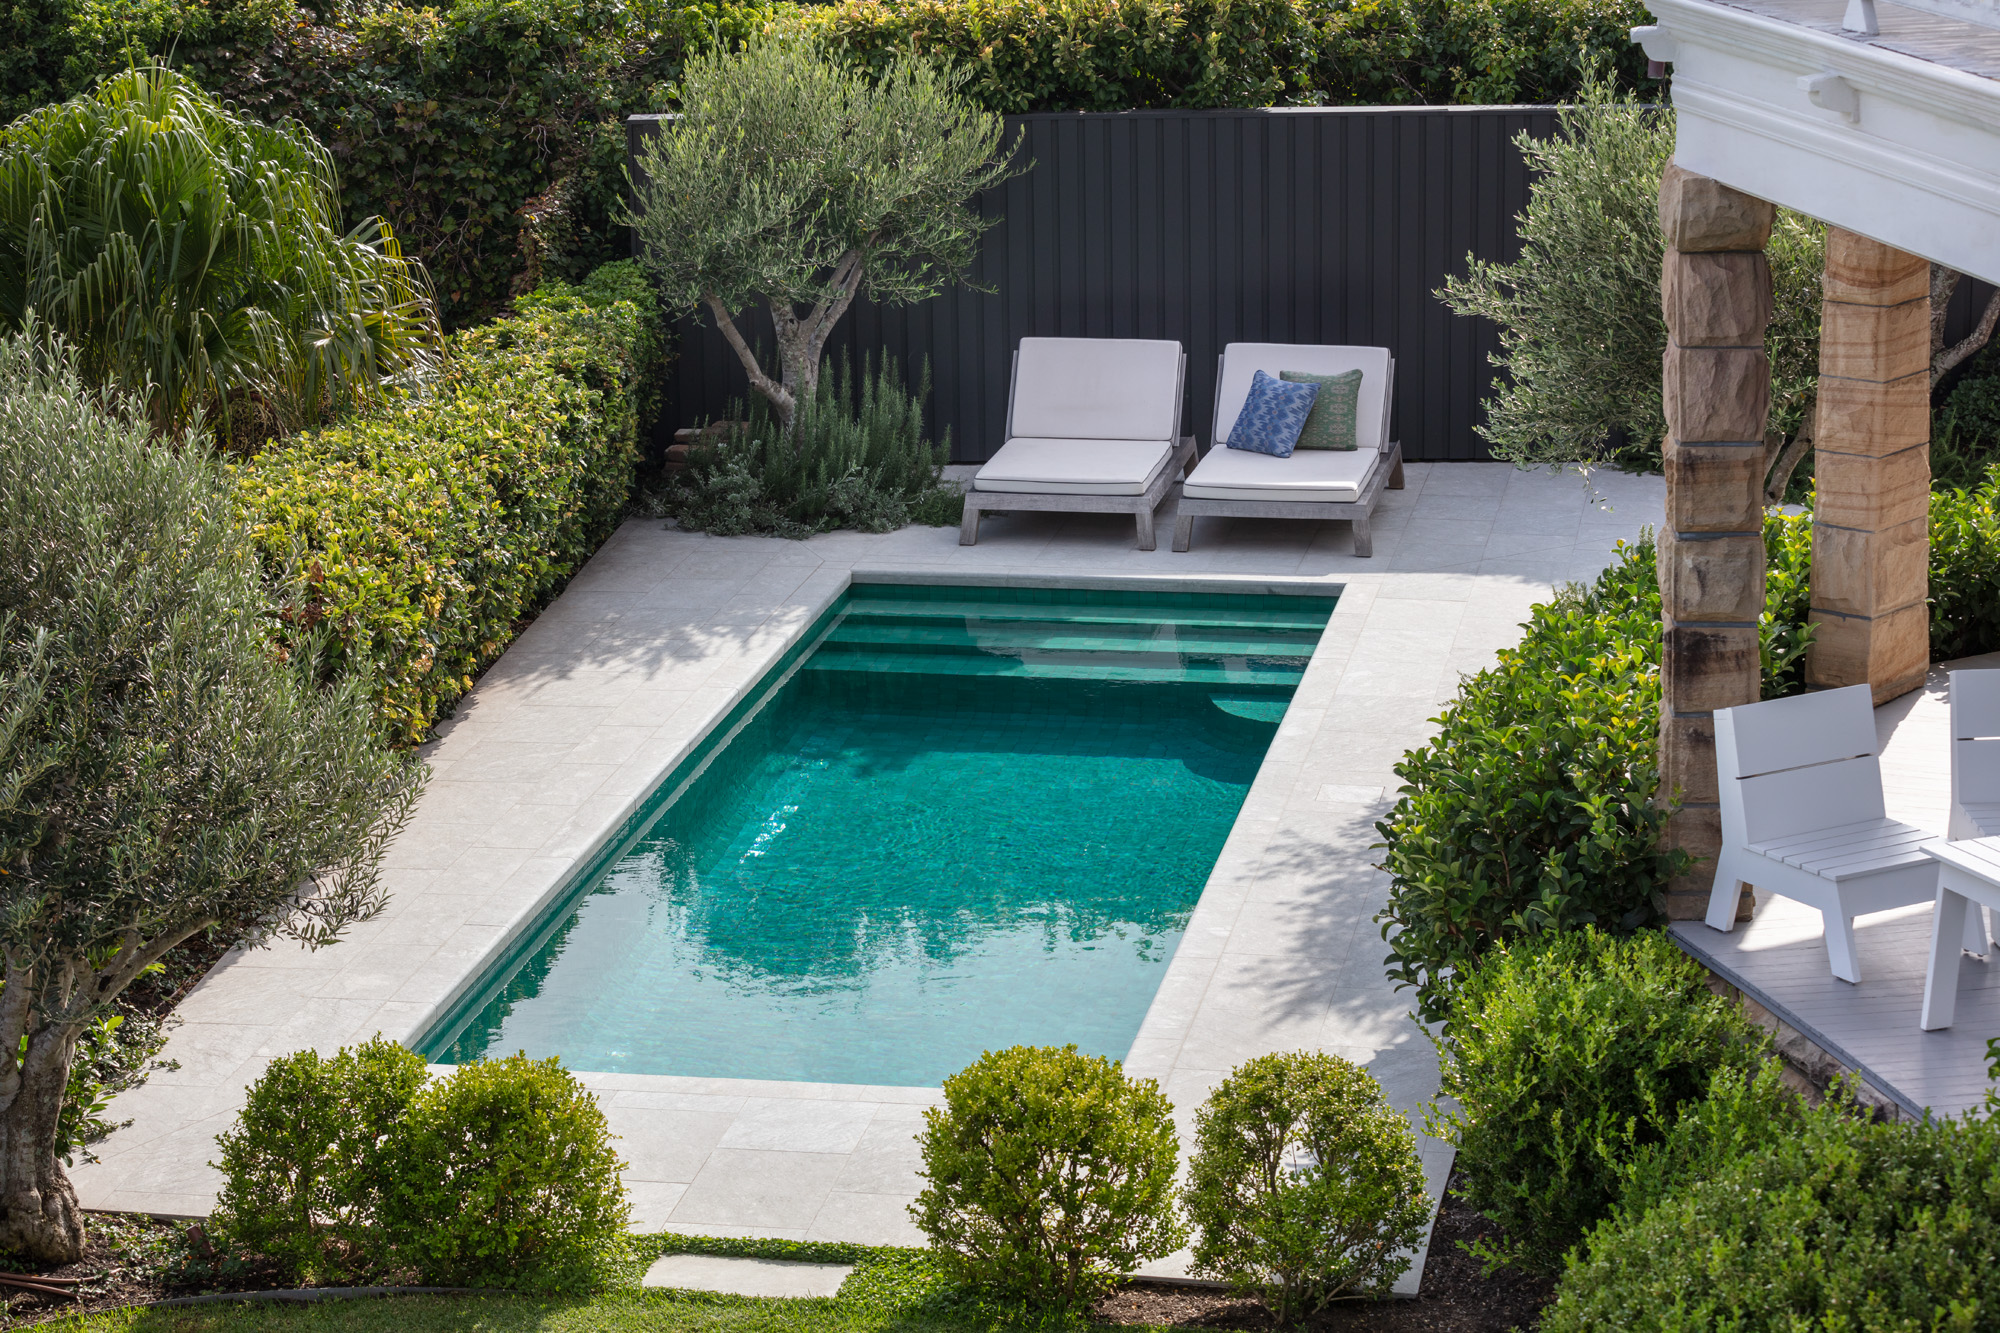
<point x="664" y="630"/>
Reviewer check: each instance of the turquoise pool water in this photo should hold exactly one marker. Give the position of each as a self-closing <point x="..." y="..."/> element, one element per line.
<point x="952" y="820"/>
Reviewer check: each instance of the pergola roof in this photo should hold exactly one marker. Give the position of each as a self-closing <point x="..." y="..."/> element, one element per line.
<point x="1894" y="135"/>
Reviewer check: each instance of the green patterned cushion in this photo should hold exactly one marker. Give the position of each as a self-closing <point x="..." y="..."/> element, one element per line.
<point x="1331" y="425"/>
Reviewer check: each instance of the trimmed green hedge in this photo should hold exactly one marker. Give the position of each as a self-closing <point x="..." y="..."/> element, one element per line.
<point x="487" y="131"/>
<point x="1118" y="55"/>
<point x="426" y="531"/>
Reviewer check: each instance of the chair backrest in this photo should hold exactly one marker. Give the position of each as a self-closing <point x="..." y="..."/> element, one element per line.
<point x="1096" y="389"/>
<point x="1790" y="766"/>
<point x="1241" y="361"/>
<point x="1975" y="737"/>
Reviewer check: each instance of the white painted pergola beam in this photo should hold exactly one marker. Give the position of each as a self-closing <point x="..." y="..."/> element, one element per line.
<point x="1845" y="128"/>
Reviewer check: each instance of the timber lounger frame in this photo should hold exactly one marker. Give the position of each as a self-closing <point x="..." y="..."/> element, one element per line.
<point x="1203" y="497"/>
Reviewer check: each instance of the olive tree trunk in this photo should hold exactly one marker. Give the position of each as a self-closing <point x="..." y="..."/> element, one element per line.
<point x="39" y="1214"/>
<point x="801" y="340"/>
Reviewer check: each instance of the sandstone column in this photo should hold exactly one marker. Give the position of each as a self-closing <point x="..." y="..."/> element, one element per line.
<point x="1715" y="291"/>
<point x="1871" y="523"/>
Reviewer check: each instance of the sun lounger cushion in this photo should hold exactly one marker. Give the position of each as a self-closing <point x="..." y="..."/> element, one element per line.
<point x="1242" y="360"/>
<point x="1332" y="422"/>
<point x="1096" y="389"/>
<point x="1273" y="414"/>
<point x="1074" y="467"/>
<point x="1318" y="474"/>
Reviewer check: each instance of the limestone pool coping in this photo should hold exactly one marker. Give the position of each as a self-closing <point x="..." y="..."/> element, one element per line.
<point x="664" y="631"/>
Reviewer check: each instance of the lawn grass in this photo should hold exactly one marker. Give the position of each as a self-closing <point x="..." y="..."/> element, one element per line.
<point x="892" y="1290"/>
<point x="625" y="1312"/>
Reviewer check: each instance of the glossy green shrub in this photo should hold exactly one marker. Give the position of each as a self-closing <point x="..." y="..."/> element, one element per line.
<point x="1305" y="1185"/>
<point x="1532" y="808"/>
<point x="1564" y="1058"/>
<point x="1048" y="1174"/>
<point x="1965" y="571"/>
<point x="306" y="1163"/>
<point x="426" y="530"/>
<point x="1845" y="1225"/>
<point x="504" y="1176"/>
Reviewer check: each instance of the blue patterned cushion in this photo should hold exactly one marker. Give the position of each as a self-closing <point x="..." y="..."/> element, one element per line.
<point x="1273" y="414"/>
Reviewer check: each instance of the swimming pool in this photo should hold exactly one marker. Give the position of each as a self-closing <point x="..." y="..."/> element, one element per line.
<point x="951" y="819"/>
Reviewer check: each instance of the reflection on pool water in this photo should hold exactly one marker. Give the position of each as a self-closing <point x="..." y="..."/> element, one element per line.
<point x="955" y="819"/>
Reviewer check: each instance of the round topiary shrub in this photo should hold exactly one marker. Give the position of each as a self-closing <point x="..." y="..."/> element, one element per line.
<point x="1568" y="1056"/>
<point x="1846" y="1224"/>
<point x="1305" y="1184"/>
<point x="1050" y="1173"/>
<point x="505" y="1177"/>
<point x="306" y="1163"/>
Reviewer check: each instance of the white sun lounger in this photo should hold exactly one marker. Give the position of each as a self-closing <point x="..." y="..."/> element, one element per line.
<point x="1803" y="816"/>
<point x="1975" y="775"/>
<point x="1312" y="483"/>
<point x="1093" y="426"/>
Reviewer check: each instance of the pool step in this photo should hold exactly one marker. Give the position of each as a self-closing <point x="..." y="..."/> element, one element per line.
<point x="943" y="664"/>
<point x="1047" y="636"/>
<point x="1311" y="618"/>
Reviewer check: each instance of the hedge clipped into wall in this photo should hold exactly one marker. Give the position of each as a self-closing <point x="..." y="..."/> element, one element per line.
<point x="1118" y="55"/>
<point x="426" y="531"/>
<point x="487" y="131"/>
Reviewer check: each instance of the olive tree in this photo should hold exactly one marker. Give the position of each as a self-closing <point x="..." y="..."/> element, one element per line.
<point x="791" y="180"/>
<point x="1581" y="333"/>
<point x="164" y="767"/>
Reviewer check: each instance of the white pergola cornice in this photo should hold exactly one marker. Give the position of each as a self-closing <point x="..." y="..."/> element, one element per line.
<point x="1894" y="135"/>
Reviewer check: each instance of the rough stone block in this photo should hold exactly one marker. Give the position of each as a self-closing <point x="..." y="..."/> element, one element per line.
<point x="1687" y="758"/>
<point x="1714" y="488"/>
<point x="1719" y="394"/>
<point x="1706" y="667"/>
<point x="1866" y="417"/>
<point x="1696" y="830"/>
<point x="1860" y="573"/>
<point x="1712" y="578"/>
<point x="1890" y="653"/>
<point x="1702" y="215"/>
<point x="1716" y="300"/>
<point x="1875" y="342"/>
<point x="1856" y="491"/>
<point x="1870" y="273"/>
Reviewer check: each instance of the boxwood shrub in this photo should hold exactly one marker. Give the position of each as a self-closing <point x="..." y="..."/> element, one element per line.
<point x="1048" y="1173"/>
<point x="1532" y="808"/>
<point x="422" y="533"/>
<point x="1846" y="1224"/>
<point x="1566" y="1058"/>
<point x="1305" y="1186"/>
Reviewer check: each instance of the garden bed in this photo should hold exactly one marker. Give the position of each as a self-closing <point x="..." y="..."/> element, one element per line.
<point x="133" y="1258"/>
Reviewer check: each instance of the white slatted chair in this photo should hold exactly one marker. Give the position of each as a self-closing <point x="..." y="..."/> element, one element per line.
<point x="1975" y="775"/>
<point x="1802" y="816"/>
<point x="1093" y="426"/>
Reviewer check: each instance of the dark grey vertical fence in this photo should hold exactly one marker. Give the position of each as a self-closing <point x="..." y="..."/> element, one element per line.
<point x="1296" y="225"/>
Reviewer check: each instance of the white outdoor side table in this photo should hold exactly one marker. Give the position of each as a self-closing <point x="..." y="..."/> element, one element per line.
<point x="1968" y="873"/>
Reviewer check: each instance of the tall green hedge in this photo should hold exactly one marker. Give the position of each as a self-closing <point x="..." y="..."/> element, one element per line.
<point x="487" y="131"/>
<point x="425" y="531"/>
<point x="1118" y="55"/>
